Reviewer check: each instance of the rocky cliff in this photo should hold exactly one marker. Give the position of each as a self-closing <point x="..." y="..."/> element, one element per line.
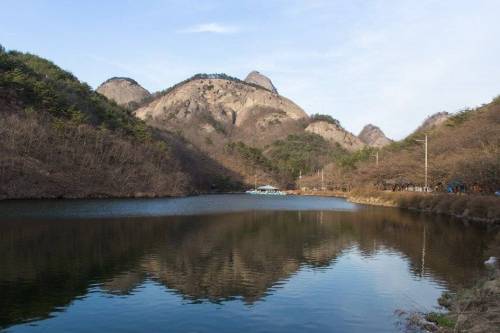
<point x="209" y="109"/>
<point x="335" y="134"/>
<point x="373" y="136"/>
<point x="261" y="80"/>
<point x="78" y="144"/>
<point x="124" y="91"/>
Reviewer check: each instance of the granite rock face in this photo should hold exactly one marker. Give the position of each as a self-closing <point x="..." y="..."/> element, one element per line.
<point x="334" y="133"/>
<point x="124" y="91"/>
<point x="223" y="109"/>
<point x="261" y="80"/>
<point x="373" y="136"/>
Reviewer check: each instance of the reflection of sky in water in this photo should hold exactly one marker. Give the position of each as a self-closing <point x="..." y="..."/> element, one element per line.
<point x="168" y="206"/>
<point x="354" y="294"/>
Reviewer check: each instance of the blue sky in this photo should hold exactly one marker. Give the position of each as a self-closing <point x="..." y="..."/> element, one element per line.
<point x="387" y="62"/>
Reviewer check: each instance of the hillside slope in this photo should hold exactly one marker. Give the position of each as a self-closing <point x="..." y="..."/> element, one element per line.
<point x="463" y="149"/>
<point x="214" y="111"/>
<point x="213" y="105"/>
<point x="61" y="139"/>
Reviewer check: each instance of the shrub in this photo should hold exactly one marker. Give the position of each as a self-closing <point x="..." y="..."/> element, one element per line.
<point x="252" y="155"/>
<point x="440" y="319"/>
<point x="324" y="117"/>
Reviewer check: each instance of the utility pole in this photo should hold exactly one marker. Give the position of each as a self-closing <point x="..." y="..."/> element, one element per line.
<point x="322" y="179"/>
<point x="376" y="158"/>
<point x="300" y="179"/>
<point x="426" y="164"/>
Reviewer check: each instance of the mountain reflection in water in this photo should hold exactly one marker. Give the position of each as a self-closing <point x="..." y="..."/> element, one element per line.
<point x="46" y="265"/>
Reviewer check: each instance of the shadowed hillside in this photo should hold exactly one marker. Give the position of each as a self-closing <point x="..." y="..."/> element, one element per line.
<point x="61" y="139"/>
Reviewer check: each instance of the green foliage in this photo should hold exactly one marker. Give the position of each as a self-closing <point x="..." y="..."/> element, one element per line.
<point x="305" y="152"/>
<point x="459" y="117"/>
<point x="162" y="146"/>
<point x="440" y="319"/>
<point x="252" y="155"/>
<point x="120" y="78"/>
<point x="406" y="143"/>
<point x="324" y="117"/>
<point x="42" y="86"/>
<point x="349" y="161"/>
<point x="142" y="132"/>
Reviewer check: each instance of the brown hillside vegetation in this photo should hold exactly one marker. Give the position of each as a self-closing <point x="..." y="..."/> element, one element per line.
<point x="61" y="139"/>
<point x="43" y="157"/>
<point x="465" y="149"/>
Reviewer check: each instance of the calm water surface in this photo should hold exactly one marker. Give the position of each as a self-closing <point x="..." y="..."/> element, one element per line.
<point x="226" y="263"/>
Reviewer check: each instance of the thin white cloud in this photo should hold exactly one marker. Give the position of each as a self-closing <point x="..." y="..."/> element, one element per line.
<point x="215" y="28"/>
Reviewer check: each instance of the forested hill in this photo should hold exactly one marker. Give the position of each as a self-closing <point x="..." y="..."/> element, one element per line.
<point x="463" y="149"/>
<point x="59" y="138"/>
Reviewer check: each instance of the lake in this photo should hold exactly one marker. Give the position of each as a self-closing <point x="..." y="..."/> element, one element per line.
<point x="226" y="263"/>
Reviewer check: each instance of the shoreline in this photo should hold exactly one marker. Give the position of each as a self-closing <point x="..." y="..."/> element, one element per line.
<point x="474" y="309"/>
<point x="473" y="208"/>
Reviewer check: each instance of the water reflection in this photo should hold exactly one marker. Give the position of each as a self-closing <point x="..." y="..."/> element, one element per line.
<point x="45" y="265"/>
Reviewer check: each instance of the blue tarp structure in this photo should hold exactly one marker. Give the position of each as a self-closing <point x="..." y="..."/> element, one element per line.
<point x="456" y="186"/>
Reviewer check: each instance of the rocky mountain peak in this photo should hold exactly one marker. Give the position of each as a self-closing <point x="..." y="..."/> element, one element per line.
<point x="434" y="120"/>
<point x="123" y="90"/>
<point x="373" y="136"/>
<point x="223" y="109"/>
<point x="257" y="78"/>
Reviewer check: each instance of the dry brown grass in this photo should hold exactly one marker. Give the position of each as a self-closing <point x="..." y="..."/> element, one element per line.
<point x="474" y="207"/>
<point x="467" y="148"/>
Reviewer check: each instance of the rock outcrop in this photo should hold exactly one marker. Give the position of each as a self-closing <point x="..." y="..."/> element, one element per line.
<point x="219" y="108"/>
<point x="373" y="136"/>
<point x="334" y="133"/>
<point x="434" y="120"/>
<point x="213" y="111"/>
<point x="124" y="91"/>
<point x="261" y="80"/>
